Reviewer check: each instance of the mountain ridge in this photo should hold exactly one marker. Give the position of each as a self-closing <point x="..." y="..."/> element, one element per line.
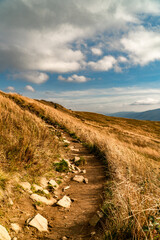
<point x="150" y="115"/>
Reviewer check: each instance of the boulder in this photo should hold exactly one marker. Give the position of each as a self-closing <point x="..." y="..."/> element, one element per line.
<point x="64" y="202"/>
<point x="4" y="235"/>
<point x="39" y="222"/>
<point x="38" y="198"/>
<point x="15" y="227"/>
<point x="78" y="178"/>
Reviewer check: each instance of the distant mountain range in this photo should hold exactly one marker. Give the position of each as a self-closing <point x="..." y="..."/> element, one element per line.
<point x="152" y="115"/>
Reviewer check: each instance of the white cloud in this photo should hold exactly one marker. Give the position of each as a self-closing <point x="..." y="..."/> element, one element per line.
<point x="74" y="78"/>
<point x="147" y="101"/>
<point x="104" y="64"/>
<point x="143" y="46"/>
<point x="31" y="76"/>
<point x="29" y="88"/>
<point x="10" y="88"/>
<point x="122" y="59"/>
<point x="96" y="51"/>
<point x="39" y="35"/>
<point x="105" y="99"/>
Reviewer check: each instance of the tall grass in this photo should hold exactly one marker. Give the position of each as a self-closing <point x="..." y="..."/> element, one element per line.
<point x="132" y="151"/>
<point x="25" y="141"/>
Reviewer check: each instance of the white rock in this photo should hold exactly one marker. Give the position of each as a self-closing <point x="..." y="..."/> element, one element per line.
<point x="76" y="150"/>
<point x="53" y="184"/>
<point x="64" y="238"/>
<point x="76" y="159"/>
<point x="39" y="222"/>
<point x="83" y="171"/>
<point x="78" y="178"/>
<point x="26" y="186"/>
<point x="15" y="227"/>
<point x="85" y="180"/>
<point x="64" y="202"/>
<point x="38" y="198"/>
<point x="44" y="182"/>
<point x="4" y="235"/>
<point x="37" y="187"/>
<point x="66" y="141"/>
<point x="65" y="188"/>
<point x="45" y="191"/>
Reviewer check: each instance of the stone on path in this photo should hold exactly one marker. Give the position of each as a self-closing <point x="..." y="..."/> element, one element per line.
<point x="95" y="219"/>
<point x="53" y="184"/>
<point x="39" y="222"/>
<point x="64" y="202"/>
<point x="45" y="191"/>
<point x="37" y="187"/>
<point x="26" y="186"/>
<point x="44" y="182"/>
<point x="4" y="235"/>
<point x="78" y="178"/>
<point x="38" y="198"/>
<point x="15" y="227"/>
<point x="76" y="159"/>
<point x="85" y="180"/>
<point x="65" y="188"/>
<point x="64" y="238"/>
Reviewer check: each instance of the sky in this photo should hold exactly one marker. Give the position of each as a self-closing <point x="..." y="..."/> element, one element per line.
<point x="96" y="55"/>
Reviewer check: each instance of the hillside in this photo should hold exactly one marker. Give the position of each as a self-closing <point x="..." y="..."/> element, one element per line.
<point x="37" y="137"/>
<point x="152" y="115"/>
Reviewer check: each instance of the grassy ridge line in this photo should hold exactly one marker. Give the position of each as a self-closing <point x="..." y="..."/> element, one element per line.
<point x="134" y="190"/>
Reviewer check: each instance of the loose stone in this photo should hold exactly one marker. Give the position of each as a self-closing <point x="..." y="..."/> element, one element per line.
<point x="64" y="202"/>
<point x="39" y="222"/>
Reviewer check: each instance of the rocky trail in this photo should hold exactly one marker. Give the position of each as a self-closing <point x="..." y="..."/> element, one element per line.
<point x="74" y="208"/>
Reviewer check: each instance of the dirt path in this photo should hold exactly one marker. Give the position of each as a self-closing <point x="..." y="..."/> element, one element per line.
<point x="72" y="223"/>
<point x="88" y="199"/>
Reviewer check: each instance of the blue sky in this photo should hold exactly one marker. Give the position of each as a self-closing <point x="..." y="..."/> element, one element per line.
<point x="101" y="56"/>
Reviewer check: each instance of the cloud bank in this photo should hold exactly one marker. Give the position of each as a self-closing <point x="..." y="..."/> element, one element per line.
<point x="44" y="36"/>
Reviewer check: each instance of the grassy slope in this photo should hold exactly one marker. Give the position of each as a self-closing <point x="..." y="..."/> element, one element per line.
<point x="131" y="148"/>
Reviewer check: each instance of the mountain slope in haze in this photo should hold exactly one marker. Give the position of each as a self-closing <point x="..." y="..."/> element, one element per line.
<point x="151" y="115"/>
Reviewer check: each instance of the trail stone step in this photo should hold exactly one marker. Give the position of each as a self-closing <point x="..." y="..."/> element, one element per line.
<point x="53" y="184"/>
<point x="44" y="182"/>
<point x="37" y="187"/>
<point x="39" y="222"/>
<point x="64" y="202"/>
<point x="38" y="198"/>
<point x="78" y="178"/>
<point x="26" y="186"/>
<point x="4" y="235"/>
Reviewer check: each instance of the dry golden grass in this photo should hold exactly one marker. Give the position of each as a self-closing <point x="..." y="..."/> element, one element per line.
<point x="25" y="141"/>
<point x="132" y="150"/>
